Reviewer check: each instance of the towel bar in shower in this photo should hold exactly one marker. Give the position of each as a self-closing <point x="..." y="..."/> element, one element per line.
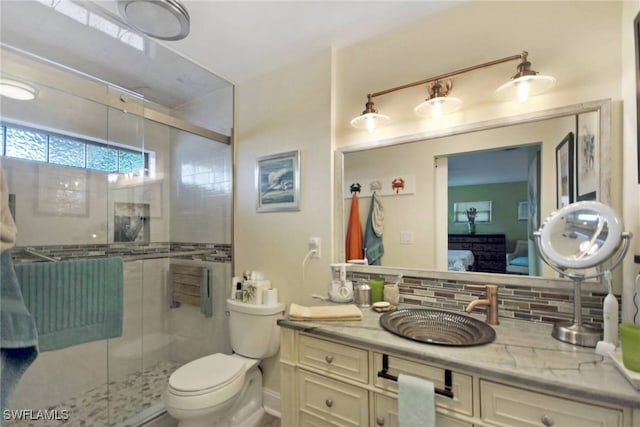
<point x="384" y="373"/>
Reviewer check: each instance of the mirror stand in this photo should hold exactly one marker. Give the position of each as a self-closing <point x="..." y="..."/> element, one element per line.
<point x="576" y="332"/>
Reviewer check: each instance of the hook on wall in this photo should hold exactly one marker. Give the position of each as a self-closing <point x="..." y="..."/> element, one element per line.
<point x="375" y="186"/>
<point x="355" y="187"/>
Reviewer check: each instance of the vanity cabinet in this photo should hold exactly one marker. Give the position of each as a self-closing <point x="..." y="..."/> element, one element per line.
<point x="327" y="382"/>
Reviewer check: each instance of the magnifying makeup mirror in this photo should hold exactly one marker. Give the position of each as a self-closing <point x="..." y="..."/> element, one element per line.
<point x="576" y="238"/>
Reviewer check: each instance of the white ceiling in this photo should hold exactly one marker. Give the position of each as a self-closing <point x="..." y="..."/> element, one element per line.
<point x="235" y="40"/>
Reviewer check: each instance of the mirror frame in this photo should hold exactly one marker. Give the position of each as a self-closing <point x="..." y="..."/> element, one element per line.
<point x="603" y="169"/>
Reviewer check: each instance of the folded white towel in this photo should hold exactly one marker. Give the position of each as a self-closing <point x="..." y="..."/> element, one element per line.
<point x="416" y="402"/>
<point x="325" y="312"/>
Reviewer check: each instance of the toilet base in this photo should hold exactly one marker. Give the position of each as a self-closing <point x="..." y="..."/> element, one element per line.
<point x="246" y="411"/>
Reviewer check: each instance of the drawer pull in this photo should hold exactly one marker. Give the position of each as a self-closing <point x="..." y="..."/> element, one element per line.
<point x="329" y="403"/>
<point x="328" y="358"/>
<point x="380" y="421"/>
<point x="547" y="420"/>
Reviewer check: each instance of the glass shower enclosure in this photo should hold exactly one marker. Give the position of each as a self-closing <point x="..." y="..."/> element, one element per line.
<point x="96" y="171"/>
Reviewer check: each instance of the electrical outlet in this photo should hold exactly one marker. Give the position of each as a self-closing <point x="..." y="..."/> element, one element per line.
<point x="314" y="245"/>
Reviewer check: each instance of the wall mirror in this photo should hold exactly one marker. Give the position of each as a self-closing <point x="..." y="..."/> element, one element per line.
<point x="510" y="162"/>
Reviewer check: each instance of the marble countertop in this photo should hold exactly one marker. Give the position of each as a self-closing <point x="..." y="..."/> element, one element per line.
<point x="523" y="352"/>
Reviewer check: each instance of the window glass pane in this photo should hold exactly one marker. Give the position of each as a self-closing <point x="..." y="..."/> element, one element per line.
<point x="63" y="151"/>
<point x="2" y="140"/>
<point x="102" y="158"/>
<point x="26" y="144"/>
<point x="130" y="162"/>
<point x="482" y="214"/>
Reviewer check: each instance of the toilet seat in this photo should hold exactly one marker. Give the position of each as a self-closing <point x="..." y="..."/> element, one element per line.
<point x="207" y="374"/>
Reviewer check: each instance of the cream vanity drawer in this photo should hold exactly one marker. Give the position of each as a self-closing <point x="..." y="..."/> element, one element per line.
<point x="331" y="358"/>
<point x="461" y="384"/>
<point x="334" y="402"/>
<point x="386" y="414"/>
<point x="508" y="406"/>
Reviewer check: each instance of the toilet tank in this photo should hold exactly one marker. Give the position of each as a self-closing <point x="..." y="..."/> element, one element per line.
<point x="253" y="328"/>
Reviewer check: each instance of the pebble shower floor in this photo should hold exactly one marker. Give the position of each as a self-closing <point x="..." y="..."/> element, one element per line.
<point x="119" y="403"/>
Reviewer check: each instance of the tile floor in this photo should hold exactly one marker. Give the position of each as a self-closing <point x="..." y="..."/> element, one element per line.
<point x="166" y="421"/>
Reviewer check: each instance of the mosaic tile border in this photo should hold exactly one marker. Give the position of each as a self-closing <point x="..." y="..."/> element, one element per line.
<point x="214" y="252"/>
<point x="546" y="305"/>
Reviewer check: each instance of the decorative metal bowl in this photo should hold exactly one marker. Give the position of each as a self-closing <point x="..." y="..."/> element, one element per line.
<point x="437" y="327"/>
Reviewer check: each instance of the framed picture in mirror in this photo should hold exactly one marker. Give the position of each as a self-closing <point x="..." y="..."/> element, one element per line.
<point x="564" y="171"/>
<point x="587" y="149"/>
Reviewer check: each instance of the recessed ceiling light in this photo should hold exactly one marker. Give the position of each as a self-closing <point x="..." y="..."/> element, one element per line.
<point x="17" y="90"/>
<point x="161" y="19"/>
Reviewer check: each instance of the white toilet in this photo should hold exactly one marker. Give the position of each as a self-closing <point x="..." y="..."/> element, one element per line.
<point x="226" y="390"/>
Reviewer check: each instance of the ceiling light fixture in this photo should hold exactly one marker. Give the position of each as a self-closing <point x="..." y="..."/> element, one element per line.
<point x="17" y="90"/>
<point x="525" y="83"/>
<point x="161" y="19"/>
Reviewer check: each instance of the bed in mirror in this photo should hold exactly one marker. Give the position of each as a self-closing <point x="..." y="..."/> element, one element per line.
<point x="509" y="166"/>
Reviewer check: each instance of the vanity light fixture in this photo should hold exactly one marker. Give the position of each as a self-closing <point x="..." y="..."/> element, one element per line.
<point x="17" y="90"/>
<point x="369" y="119"/>
<point x="160" y="19"/>
<point x="438" y="103"/>
<point x="525" y="83"/>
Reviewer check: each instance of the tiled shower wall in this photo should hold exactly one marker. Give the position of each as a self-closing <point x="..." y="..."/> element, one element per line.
<point x="535" y="304"/>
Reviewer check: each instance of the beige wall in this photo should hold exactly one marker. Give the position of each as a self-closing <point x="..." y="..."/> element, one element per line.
<point x="580" y="43"/>
<point x="279" y="112"/>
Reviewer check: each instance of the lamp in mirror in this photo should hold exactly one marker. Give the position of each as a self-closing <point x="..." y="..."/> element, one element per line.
<point x="572" y="240"/>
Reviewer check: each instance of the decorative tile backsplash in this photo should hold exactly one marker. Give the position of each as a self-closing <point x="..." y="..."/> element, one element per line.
<point x="214" y="252"/>
<point x="546" y="305"/>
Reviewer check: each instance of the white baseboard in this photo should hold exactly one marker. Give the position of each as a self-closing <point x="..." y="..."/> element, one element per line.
<point x="271" y="402"/>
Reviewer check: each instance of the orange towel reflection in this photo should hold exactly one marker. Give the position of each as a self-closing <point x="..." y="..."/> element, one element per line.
<point x="354" y="232"/>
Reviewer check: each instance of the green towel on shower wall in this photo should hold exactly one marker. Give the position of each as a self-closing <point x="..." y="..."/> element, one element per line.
<point x="74" y="301"/>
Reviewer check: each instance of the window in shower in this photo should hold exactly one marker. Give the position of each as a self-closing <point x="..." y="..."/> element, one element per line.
<point x="26" y="143"/>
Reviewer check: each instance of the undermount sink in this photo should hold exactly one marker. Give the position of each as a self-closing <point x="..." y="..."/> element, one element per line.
<point x="437" y="327"/>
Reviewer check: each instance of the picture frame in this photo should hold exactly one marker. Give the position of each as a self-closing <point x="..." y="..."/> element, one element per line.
<point x="277" y="182"/>
<point x="523" y="210"/>
<point x="564" y="171"/>
<point x="587" y="158"/>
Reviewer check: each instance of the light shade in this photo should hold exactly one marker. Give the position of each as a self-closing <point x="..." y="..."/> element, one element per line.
<point x="522" y="88"/>
<point x="370" y="121"/>
<point x="17" y="90"/>
<point x="437" y="107"/>
<point x="161" y="19"/>
<point x="525" y="83"/>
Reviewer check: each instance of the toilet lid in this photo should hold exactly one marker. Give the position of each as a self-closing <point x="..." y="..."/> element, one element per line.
<point x="206" y="373"/>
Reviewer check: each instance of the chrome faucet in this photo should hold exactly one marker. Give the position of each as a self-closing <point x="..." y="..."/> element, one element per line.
<point x="491" y="302"/>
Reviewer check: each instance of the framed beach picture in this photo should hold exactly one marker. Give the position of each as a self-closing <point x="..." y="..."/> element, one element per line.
<point x="587" y="149"/>
<point x="564" y="171"/>
<point x="278" y="182"/>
